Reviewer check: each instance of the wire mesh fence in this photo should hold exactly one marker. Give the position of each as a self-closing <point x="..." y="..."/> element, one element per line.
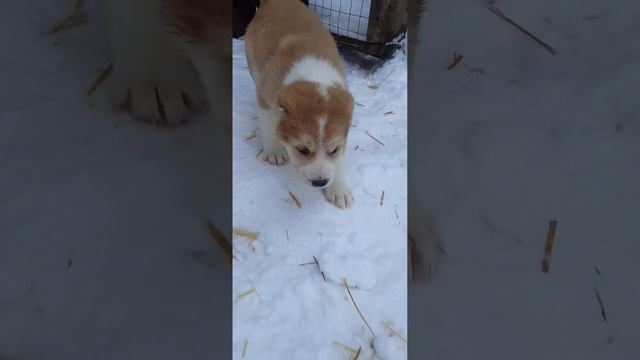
<point x="348" y="18"/>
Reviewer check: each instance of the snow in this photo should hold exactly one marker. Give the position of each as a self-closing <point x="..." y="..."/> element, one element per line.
<point x="103" y="251"/>
<point x="283" y="309"/>
<point x="536" y="137"/>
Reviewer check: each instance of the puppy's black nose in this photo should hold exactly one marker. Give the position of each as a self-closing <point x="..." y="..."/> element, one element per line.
<point x="319" y="183"/>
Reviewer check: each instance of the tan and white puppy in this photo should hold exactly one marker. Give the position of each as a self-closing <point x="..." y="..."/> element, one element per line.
<point x="305" y="106"/>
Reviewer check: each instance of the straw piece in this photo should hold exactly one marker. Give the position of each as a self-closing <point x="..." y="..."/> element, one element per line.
<point x="220" y="239"/>
<point x="102" y="76"/>
<point x="357" y="308"/>
<point x="246" y="234"/>
<point x="295" y="200"/>
<point x="548" y="247"/>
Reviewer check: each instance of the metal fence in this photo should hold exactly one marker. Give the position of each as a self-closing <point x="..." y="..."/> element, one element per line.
<point x="349" y="18"/>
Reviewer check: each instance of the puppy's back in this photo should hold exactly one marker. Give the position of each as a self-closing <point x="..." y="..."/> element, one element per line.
<point x="282" y="32"/>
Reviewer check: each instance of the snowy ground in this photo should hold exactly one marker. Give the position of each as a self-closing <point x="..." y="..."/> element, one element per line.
<point x="524" y="138"/>
<point x="283" y="310"/>
<point x="103" y="251"/>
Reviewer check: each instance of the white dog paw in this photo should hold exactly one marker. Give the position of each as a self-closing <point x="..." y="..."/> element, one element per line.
<point x="339" y="195"/>
<point x="427" y="254"/>
<point x="275" y="155"/>
<point x="160" y="91"/>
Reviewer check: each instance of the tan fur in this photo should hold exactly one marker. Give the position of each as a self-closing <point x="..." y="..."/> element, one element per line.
<point x="282" y="32"/>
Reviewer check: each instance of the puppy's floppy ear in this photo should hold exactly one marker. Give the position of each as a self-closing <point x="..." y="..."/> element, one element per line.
<point x="342" y="103"/>
<point x="297" y="95"/>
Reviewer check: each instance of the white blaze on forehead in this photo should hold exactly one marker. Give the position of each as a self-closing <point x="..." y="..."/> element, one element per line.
<point x="322" y="122"/>
<point x="316" y="70"/>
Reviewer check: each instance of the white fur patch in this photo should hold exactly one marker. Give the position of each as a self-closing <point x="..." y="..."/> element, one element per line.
<point x="315" y="70"/>
<point x="322" y="122"/>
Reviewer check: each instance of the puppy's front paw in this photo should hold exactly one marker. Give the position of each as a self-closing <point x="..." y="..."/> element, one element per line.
<point x="275" y="155"/>
<point x="161" y="91"/>
<point x="339" y="195"/>
<point x="426" y="250"/>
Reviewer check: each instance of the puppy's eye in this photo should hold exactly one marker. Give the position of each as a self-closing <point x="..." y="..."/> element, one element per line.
<point x="304" y="151"/>
<point x="334" y="151"/>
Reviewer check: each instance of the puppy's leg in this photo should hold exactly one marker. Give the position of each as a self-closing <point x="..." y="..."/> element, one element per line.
<point x="339" y="193"/>
<point x="273" y="151"/>
<point x="426" y="250"/>
<point x="151" y="77"/>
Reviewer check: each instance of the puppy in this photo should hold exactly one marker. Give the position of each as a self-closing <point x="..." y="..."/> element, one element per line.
<point x="305" y="108"/>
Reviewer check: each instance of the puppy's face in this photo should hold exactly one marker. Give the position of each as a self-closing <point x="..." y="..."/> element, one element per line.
<point x="313" y="128"/>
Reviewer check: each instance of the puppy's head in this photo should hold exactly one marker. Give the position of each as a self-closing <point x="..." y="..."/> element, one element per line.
<point x="313" y="128"/>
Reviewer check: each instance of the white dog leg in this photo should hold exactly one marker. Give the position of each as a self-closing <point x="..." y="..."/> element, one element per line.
<point x="425" y="246"/>
<point x="338" y="192"/>
<point x="273" y="151"/>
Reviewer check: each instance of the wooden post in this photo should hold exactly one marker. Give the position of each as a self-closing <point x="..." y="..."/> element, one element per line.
<point x="387" y="20"/>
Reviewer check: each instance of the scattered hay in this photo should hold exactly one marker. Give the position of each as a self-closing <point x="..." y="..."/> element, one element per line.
<point x="259" y="152"/>
<point x="382" y="198"/>
<point x="78" y="18"/>
<point x="348" y="349"/>
<point x="246" y="234"/>
<point x="319" y="269"/>
<point x="548" y="247"/>
<point x="603" y="313"/>
<point x="457" y="58"/>
<point x="357" y="103"/>
<point x="220" y="239"/>
<point x="388" y="326"/>
<point x="295" y="200"/>
<point x="389" y="113"/>
<point x="511" y="22"/>
<point x="244" y="348"/>
<point x="243" y="295"/>
<point x="346" y="285"/>
<point x="373" y="87"/>
<point x="102" y="76"/>
<point x="373" y="137"/>
<point x="357" y="353"/>
<point x="252" y="136"/>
